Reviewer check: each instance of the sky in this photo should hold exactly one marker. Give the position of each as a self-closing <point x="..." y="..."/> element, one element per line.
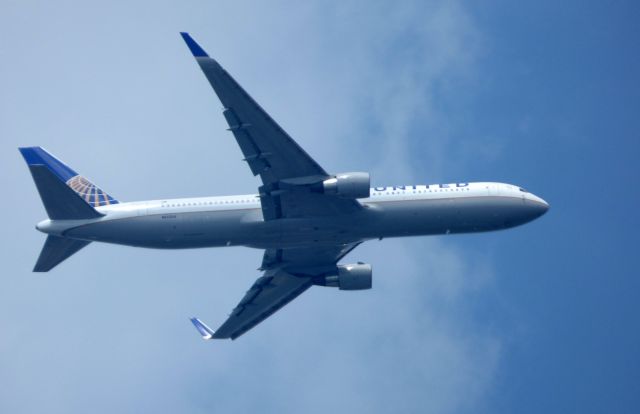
<point x="540" y="318"/>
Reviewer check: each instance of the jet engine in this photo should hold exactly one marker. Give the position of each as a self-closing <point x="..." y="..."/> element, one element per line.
<point x="347" y="185"/>
<point x="349" y="277"/>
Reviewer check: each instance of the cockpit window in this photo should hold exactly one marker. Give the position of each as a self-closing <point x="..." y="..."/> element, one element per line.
<point x="522" y="189"/>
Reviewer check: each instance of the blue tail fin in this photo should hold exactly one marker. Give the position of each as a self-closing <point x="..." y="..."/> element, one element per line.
<point x="65" y="194"/>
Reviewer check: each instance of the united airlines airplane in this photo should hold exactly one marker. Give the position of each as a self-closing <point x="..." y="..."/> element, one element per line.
<point x="305" y="219"/>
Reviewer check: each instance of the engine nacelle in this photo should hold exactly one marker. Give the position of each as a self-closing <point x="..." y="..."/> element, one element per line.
<point x="347" y="185"/>
<point x="350" y="277"/>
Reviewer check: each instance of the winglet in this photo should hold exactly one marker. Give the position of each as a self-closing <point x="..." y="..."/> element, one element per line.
<point x="204" y="330"/>
<point x="195" y="48"/>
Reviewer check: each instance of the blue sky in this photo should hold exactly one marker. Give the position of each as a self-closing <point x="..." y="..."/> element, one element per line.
<point x="542" y="318"/>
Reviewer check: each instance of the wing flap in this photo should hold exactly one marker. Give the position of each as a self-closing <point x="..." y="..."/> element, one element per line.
<point x="253" y="155"/>
<point x="305" y="259"/>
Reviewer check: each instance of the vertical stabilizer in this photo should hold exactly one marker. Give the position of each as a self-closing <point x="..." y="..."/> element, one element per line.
<point x="66" y="195"/>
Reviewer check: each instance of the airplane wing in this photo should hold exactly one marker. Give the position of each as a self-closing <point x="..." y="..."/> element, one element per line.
<point x="269" y="293"/>
<point x="287" y="273"/>
<point x="268" y="150"/>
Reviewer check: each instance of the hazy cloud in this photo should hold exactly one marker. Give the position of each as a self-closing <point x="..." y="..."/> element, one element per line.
<point x="356" y="84"/>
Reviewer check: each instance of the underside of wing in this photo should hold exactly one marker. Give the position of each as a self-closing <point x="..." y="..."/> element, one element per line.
<point x="268" y="294"/>
<point x="287" y="274"/>
<point x="286" y="170"/>
<point x="267" y="148"/>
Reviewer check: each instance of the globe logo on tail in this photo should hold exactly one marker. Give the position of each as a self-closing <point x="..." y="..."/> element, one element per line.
<point x="93" y="195"/>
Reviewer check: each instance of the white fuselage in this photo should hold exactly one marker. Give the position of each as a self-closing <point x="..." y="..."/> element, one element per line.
<point x="237" y="220"/>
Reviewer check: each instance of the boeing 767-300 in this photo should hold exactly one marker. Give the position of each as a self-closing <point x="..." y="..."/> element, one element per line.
<point x="305" y="219"/>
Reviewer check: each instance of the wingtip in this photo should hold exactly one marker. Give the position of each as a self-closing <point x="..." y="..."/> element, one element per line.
<point x="203" y="329"/>
<point x="194" y="47"/>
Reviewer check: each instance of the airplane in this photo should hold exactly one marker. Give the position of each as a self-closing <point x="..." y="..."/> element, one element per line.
<point x="305" y="219"/>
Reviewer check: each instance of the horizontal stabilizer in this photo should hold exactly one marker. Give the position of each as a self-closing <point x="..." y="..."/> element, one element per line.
<point x="56" y="250"/>
<point x="204" y="330"/>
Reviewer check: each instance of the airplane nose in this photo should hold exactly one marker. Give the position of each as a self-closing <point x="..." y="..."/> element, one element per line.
<point x="542" y="208"/>
<point x="537" y="206"/>
<point x="546" y="206"/>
